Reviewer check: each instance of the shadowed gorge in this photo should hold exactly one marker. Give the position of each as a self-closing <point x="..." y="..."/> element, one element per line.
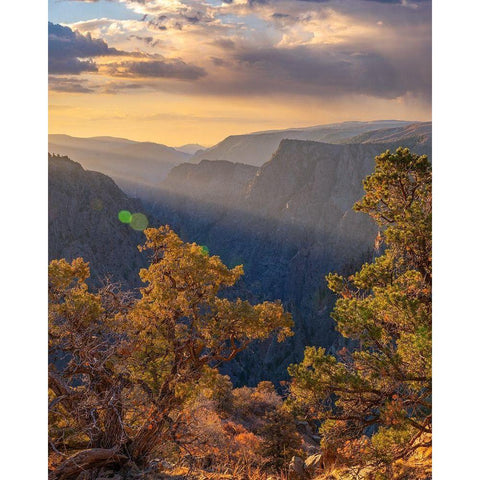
<point x="289" y="222"/>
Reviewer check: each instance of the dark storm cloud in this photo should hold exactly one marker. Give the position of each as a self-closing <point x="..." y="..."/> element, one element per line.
<point x="63" y="42"/>
<point x="324" y="72"/>
<point x="158" y="69"/>
<point x="66" y="47"/>
<point x="71" y="66"/>
<point x="308" y="70"/>
<point x="271" y="2"/>
<point x="398" y="1"/>
<point x="252" y="3"/>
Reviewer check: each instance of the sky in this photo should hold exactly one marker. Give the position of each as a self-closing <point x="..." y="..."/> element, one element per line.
<point x="196" y="71"/>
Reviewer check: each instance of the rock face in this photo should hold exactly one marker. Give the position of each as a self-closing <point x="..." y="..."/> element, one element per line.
<point x="200" y="194"/>
<point x="211" y="181"/>
<point x="257" y="148"/>
<point x="290" y="225"/>
<point x="83" y="222"/>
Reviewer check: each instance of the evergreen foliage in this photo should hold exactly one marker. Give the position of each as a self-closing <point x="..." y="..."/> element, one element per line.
<point x="374" y="400"/>
<point x="122" y="368"/>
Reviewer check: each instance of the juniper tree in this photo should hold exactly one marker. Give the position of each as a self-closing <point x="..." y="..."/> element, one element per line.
<point x="375" y="399"/>
<point x="122" y="367"/>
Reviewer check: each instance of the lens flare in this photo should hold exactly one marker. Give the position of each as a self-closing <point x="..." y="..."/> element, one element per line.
<point x="124" y="216"/>
<point x="139" y="221"/>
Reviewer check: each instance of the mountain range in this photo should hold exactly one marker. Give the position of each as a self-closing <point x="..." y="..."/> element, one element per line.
<point x="257" y="148"/>
<point x="135" y="166"/>
<point x="288" y="220"/>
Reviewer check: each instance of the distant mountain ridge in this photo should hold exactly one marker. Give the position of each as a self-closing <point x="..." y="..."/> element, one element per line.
<point x="257" y="148"/>
<point x="190" y="148"/>
<point x="135" y="166"/>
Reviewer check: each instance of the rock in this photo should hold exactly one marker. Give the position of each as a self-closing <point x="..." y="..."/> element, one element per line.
<point x="296" y="469"/>
<point x="313" y="463"/>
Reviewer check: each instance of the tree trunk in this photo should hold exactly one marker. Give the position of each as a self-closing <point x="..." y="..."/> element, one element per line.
<point x="86" y="460"/>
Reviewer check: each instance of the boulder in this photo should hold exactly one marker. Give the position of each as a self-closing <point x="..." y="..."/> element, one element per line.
<point x="296" y="469"/>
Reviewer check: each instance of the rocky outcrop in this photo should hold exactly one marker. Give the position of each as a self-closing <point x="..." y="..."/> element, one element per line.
<point x="83" y="222"/>
<point x="298" y="469"/>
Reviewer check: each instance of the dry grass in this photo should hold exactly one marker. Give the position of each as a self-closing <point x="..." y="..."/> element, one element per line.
<point x="236" y="473"/>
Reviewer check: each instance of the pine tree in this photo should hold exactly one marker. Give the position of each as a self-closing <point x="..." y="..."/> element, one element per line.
<point x="375" y="399"/>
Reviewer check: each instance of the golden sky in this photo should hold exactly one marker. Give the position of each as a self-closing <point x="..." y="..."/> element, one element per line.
<point x="195" y="71"/>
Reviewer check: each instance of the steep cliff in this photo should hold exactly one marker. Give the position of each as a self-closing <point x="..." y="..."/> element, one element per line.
<point x="83" y="222"/>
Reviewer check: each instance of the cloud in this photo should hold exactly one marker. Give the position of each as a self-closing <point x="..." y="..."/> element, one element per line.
<point x="68" y="85"/>
<point x="147" y="40"/>
<point x="63" y="42"/>
<point x="399" y="2"/>
<point x="66" y="48"/>
<point x="71" y="66"/>
<point x="224" y="43"/>
<point x="174" y="68"/>
<point x="219" y="62"/>
<point x="117" y="87"/>
<point x="309" y="70"/>
<point x="320" y="48"/>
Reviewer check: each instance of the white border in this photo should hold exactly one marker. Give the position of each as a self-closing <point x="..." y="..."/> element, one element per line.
<point x="24" y="240"/>
<point x="456" y="240"/>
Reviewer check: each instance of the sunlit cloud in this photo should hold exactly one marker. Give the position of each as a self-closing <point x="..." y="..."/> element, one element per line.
<point x="320" y="53"/>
